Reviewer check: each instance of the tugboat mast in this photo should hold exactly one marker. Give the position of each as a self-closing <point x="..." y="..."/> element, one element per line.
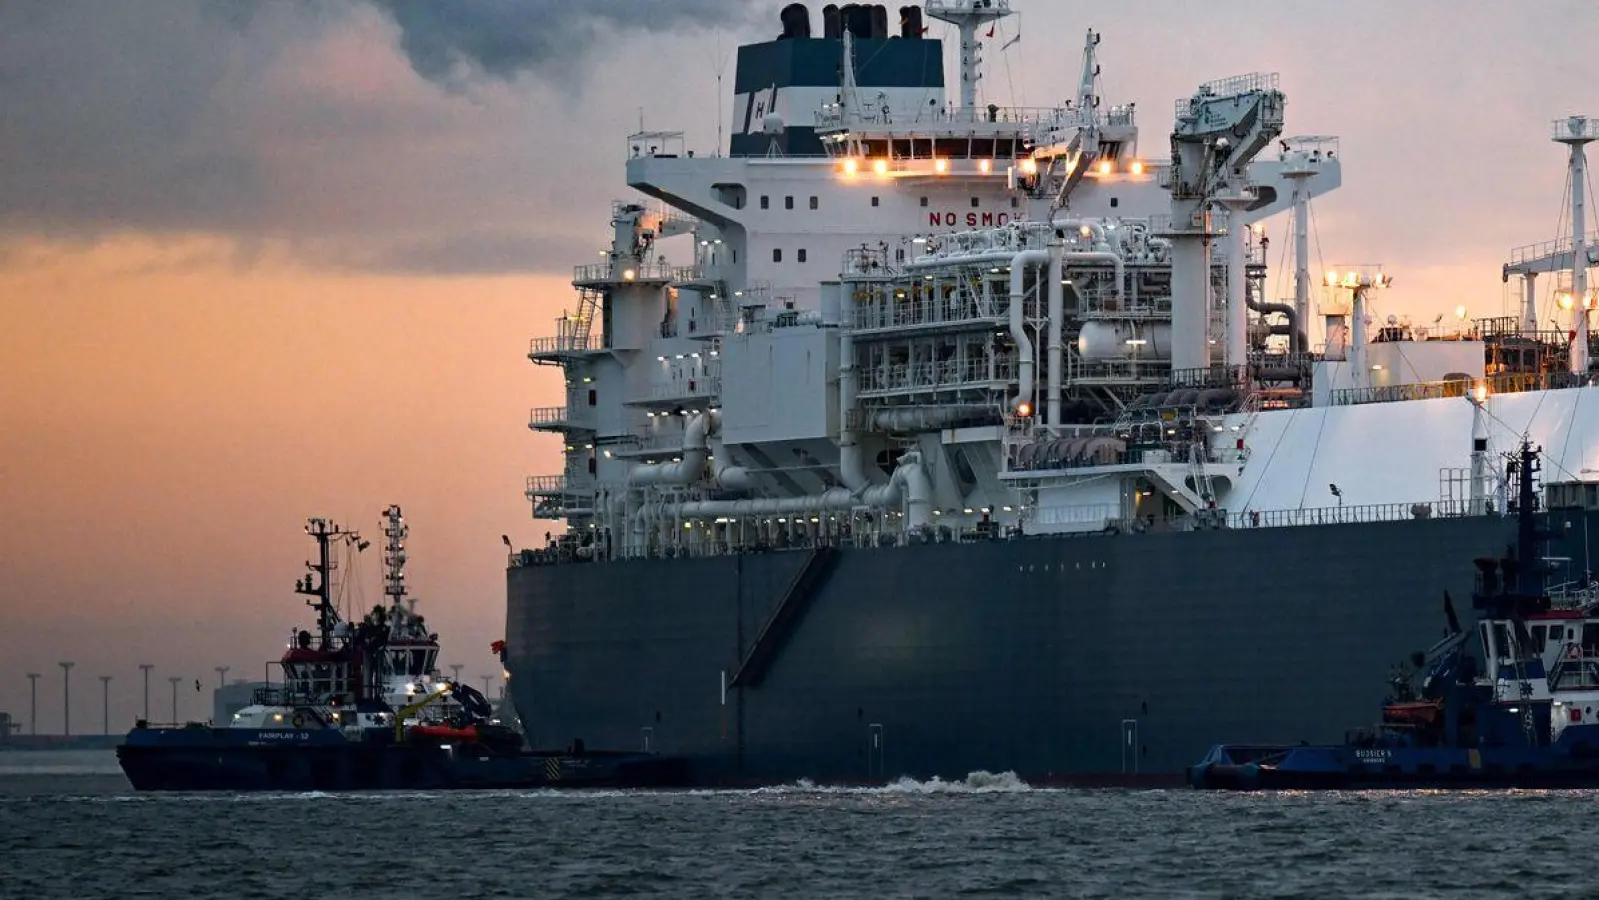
<point x="395" y="531"/>
<point x="318" y="585"/>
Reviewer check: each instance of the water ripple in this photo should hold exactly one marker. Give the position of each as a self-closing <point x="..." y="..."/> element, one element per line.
<point x="988" y="835"/>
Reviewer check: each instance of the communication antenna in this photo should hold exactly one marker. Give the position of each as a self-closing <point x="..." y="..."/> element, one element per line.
<point x="719" y="65"/>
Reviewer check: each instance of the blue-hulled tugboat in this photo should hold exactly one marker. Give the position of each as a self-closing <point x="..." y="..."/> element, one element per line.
<point x="1513" y="702"/>
<point x="364" y="708"/>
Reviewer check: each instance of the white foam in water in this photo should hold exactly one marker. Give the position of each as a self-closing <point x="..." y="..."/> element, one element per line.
<point x="979" y="782"/>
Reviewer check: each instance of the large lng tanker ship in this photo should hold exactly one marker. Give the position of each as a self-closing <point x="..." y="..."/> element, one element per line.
<point x="918" y="435"/>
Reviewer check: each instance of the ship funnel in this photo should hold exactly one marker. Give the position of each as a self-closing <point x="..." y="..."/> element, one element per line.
<point x="856" y="18"/>
<point x="910" y="22"/>
<point x="879" y="22"/>
<point x="830" y="22"/>
<point x="796" y="21"/>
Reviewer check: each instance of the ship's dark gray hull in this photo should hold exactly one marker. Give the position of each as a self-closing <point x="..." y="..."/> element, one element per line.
<point x="1052" y="657"/>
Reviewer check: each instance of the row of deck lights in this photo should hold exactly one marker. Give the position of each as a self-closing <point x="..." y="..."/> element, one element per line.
<point x="852" y="166"/>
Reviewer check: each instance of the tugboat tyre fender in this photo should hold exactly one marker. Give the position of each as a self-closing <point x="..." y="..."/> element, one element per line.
<point x="299" y="720"/>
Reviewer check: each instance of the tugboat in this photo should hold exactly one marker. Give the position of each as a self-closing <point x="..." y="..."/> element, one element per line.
<point x="363" y="707"/>
<point x="1520" y="711"/>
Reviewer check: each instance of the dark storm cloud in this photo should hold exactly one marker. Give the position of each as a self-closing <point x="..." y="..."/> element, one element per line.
<point x="299" y="123"/>
<point x="127" y="115"/>
<point x="548" y="38"/>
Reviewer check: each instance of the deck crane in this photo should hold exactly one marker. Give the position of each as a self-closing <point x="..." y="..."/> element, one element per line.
<point x="1218" y="131"/>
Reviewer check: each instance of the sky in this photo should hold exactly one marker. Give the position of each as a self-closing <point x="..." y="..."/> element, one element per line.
<point x="267" y="261"/>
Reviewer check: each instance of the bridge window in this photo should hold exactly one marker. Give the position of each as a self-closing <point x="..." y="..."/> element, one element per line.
<point x="788" y="202"/>
<point x="777" y="254"/>
<point x="800" y="255"/>
<point x="766" y="202"/>
<point x="814" y="201"/>
<point x="875" y="201"/>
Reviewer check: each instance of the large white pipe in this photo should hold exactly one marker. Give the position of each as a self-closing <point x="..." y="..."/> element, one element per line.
<point x="1190" y="307"/>
<point x="1101" y="256"/>
<point x="1096" y="230"/>
<point x="1057" y="311"/>
<point x="1018" y="325"/>
<point x="924" y="418"/>
<point x="727" y="476"/>
<point x="1302" y="254"/>
<point x="1529" y="307"/>
<point x="687" y="470"/>
<point x="1357" y="340"/>
<point x="698" y="445"/>
<point x="986" y="257"/>
<point x="1479" y="453"/>
<point x="1237" y="291"/>
<point x="909" y="482"/>
<point x="851" y="470"/>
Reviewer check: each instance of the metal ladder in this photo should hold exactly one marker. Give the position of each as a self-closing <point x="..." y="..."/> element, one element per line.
<point x="1198" y="454"/>
<point x="1251" y="411"/>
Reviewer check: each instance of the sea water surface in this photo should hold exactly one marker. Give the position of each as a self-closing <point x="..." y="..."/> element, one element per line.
<point x="70" y="827"/>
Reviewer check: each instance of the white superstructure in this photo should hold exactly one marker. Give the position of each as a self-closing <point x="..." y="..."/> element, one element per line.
<point x="899" y="316"/>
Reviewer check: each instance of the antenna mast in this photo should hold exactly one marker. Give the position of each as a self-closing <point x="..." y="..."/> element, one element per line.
<point x="395" y="531"/>
<point x="967" y="16"/>
<point x="318" y="585"/>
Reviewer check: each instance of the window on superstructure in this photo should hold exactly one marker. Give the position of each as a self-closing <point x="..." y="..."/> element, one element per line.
<point x="875" y="201"/>
<point x="814" y="202"/>
<point x="924" y="202"/>
<point x="788" y="202"/>
<point x="974" y="202"/>
<point x="800" y="255"/>
<point x="593" y="397"/>
<point x="1114" y="203"/>
<point x="899" y="254"/>
<point x="1015" y="202"/>
<point x="766" y="202"/>
<point x="777" y="254"/>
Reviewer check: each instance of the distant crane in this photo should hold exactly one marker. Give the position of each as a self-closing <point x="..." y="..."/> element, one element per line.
<point x="1218" y="131"/>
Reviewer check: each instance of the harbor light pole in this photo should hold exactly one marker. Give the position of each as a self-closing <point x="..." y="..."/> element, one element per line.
<point x="456" y="668"/>
<point x="146" y="667"/>
<point x="222" y="675"/>
<point x="105" y="704"/>
<point x="486" y="680"/>
<point x="33" y="702"/>
<point x="174" y="681"/>
<point x="66" y="697"/>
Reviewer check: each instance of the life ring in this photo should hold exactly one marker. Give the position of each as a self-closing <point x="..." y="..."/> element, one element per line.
<point x="299" y="720"/>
